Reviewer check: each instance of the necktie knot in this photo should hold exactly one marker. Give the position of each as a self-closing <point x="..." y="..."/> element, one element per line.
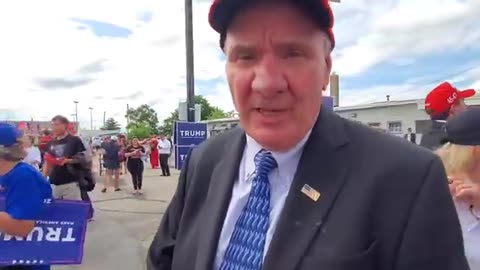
<point x="264" y="162"/>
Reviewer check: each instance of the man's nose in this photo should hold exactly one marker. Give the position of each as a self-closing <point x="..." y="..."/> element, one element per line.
<point x="269" y="78"/>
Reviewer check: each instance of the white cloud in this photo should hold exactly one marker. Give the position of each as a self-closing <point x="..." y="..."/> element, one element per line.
<point x="405" y="28"/>
<point x="45" y="43"/>
<point x="474" y="74"/>
<point x="41" y="42"/>
<point x="379" y="93"/>
<point x="413" y="89"/>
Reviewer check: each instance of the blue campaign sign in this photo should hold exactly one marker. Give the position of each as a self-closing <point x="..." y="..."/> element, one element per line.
<point x="190" y="133"/>
<point x="187" y="136"/>
<point x="182" y="152"/>
<point x="328" y="102"/>
<point x="58" y="237"/>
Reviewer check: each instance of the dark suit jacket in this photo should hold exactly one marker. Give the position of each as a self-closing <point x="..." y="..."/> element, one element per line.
<point x="413" y="138"/>
<point x="384" y="205"/>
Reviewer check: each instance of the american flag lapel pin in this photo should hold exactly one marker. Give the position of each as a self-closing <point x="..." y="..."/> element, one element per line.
<point x="311" y="192"/>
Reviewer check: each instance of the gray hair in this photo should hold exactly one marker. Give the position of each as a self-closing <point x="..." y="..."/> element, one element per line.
<point x="15" y="152"/>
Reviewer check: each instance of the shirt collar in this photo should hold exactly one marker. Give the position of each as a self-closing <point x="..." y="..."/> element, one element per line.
<point x="285" y="160"/>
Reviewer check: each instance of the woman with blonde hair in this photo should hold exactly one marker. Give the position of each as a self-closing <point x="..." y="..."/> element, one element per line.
<point x="461" y="158"/>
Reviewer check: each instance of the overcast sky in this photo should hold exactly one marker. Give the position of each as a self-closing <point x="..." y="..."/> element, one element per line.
<point x="108" y="53"/>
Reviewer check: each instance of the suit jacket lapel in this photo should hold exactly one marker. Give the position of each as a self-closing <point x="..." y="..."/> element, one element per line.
<point x="223" y="177"/>
<point x="323" y="166"/>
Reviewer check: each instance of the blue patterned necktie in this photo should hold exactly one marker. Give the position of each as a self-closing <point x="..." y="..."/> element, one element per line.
<point x="247" y="243"/>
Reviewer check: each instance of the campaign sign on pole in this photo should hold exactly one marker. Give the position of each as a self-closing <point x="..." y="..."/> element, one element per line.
<point x="188" y="135"/>
<point x="58" y="237"/>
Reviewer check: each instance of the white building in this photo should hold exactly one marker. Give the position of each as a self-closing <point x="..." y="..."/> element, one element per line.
<point x="395" y="117"/>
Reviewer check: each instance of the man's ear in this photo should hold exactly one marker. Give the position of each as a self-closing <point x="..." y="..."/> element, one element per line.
<point x="453" y="109"/>
<point x="328" y="62"/>
<point x="328" y="71"/>
<point x="457" y="107"/>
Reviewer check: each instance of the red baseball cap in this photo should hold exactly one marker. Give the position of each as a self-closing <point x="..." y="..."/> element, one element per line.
<point x="442" y="97"/>
<point x="222" y="13"/>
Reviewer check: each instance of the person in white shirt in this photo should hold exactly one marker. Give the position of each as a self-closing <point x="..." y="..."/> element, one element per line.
<point x="411" y="136"/>
<point x="461" y="158"/>
<point x="165" y="149"/>
<point x="34" y="156"/>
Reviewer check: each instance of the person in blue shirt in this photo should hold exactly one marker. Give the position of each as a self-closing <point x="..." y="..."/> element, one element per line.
<point x="25" y="189"/>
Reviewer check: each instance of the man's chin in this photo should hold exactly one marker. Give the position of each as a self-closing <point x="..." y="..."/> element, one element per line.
<point x="270" y="138"/>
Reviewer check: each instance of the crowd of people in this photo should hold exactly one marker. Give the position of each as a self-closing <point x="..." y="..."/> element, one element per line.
<point x="120" y="155"/>
<point x="61" y="168"/>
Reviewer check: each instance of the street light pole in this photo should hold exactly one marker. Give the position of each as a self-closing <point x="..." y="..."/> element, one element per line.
<point x="91" y="118"/>
<point x="128" y="116"/>
<point x="104" y="118"/>
<point x="190" y="62"/>
<point x="76" y="111"/>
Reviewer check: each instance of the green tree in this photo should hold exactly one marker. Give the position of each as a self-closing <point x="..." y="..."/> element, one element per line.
<point x="143" y="116"/>
<point x="111" y="124"/>
<point x="217" y="113"/>
<point x="208" y="112"/>
<point x="140" y="131"/>
<point x="167" y="127"/>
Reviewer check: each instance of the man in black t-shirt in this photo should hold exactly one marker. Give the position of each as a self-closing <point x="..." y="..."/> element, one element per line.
<point x="64" y="156"/>
<point x="441" y="104"/>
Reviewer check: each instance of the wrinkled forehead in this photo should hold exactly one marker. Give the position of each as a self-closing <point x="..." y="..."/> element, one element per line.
<point x="263" y="23"/>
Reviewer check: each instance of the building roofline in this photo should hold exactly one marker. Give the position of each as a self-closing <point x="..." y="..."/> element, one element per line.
<point x="378" y="105"/>
<point x="475" y="100"/>
<point x="221" y="120"/>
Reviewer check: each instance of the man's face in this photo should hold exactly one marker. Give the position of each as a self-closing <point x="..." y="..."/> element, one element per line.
<point x="58" y="128"/>
<point x="277" y="67"/>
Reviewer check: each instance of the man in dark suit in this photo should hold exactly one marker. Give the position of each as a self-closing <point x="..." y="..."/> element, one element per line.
<point x="410" y="136"/>
<point x="298" y="187"/>
<point x="441" y="104"/>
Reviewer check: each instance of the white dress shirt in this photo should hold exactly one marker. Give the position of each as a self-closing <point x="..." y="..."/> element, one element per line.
<point x="280" y="179"/>
<point x="164" y="146"/>
<point x="471" y="234"/>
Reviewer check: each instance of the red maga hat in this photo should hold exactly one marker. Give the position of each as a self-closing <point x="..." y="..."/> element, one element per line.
<point x="442" y="97"/>
<point x="222" y="13"/>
